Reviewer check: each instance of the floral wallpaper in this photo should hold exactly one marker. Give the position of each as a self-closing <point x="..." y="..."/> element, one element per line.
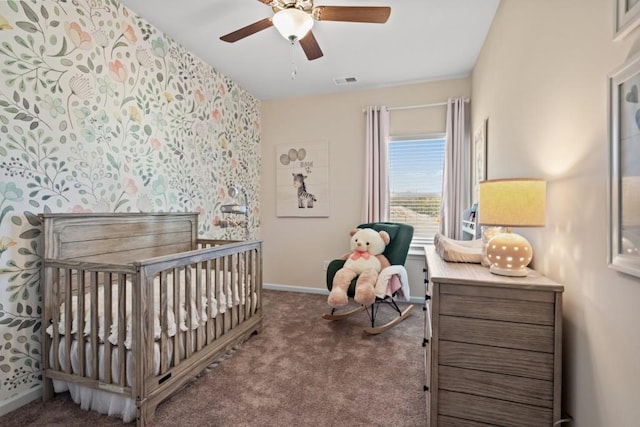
<point x="100" y="112"/>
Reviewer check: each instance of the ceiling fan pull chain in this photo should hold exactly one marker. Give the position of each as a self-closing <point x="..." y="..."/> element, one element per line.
<point x="294" y="71"/>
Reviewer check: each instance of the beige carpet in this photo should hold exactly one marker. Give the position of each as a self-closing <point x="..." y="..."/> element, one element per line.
<point x="301" y="370"/>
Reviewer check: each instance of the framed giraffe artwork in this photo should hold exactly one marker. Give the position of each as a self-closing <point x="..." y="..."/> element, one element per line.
<point x="302" y="179"/>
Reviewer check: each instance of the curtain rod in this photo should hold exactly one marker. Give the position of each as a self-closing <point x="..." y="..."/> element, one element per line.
<point x="411" y="107"/>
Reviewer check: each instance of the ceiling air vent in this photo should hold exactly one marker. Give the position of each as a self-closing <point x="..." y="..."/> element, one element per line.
<point x="344" y="80"/>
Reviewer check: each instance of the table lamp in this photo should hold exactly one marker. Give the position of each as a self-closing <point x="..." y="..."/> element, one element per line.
<point x="517" y="202"/>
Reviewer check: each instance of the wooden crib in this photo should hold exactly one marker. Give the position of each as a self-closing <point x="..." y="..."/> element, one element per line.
<point x="135" y="306"/>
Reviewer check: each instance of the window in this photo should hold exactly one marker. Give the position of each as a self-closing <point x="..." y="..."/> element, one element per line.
<point x="415" y="183"/>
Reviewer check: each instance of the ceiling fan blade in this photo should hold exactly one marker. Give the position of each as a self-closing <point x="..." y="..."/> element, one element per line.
<point x="247" y="31"/>
<point x="373" y="14"/>
<point x="265" y="1"/>
<point x="310" y="46"/>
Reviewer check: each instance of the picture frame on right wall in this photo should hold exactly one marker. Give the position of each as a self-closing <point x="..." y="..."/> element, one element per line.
<point x="624" y="168"/>
<point x="626" y="16"/>
<point x="479" y="157"/>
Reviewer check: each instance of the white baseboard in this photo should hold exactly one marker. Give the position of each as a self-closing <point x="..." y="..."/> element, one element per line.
<point x="20" y="400"/>
<point x="288" y="288"/>
<point x="305" y="290"/>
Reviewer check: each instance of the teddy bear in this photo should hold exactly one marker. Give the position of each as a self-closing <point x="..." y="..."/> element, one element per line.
<point x="365" y="260"/>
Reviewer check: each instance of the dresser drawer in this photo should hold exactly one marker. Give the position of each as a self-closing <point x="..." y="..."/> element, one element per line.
<point x="498" y="307"/>
<point x="492" y="411"/>
<point x="523" y="363"/>
<point x="520" y="336"/>
<point x="528" y="391"/>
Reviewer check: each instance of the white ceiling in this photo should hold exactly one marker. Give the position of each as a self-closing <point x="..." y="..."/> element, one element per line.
<point x="422" y="40"/>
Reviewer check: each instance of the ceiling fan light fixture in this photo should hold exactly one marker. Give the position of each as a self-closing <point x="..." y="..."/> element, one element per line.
<point x="292" y="23"/>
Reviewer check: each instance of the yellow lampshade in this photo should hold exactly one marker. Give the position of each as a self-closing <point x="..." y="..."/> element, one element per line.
<point x="510" y="203"/>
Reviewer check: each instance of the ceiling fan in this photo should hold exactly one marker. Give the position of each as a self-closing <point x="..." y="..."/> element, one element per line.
<point x="294" y="19"/>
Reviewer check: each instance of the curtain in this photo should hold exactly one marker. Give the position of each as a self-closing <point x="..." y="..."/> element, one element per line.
<point x="376" y="196"/>
<point x="454" y="182"/>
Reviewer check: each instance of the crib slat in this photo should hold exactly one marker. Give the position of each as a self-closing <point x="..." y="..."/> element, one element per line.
<point x="186" y="303"/>
<point x="122" y="328"/>
<point x="200" y="328"/>
<point x="244" y="280"/>
<point x="55" y="361"/>
<point x="251" y="276"/>
<point x="234" y="290"/>
<point x="68" y="319"/>
<point x="164" y="322"/>
<point x="210" y="304"/>
<point x="226" y="320"/>
<point x="108" y="320"/>
<point x="80" y="330"/>
<point x="230" y="277"/>
<point x="176" y="311"/>
<point x="255" y="270"/>
<point x="250" y="282"/>
<point x="256" y="280"/>
<point x="93" y="336"/>
<point x="239" y="285"/>
<point x="218" y="292"/>
<point x="148" y="324"/>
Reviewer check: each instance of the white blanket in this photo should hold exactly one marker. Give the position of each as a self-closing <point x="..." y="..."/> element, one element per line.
<point x="384" y="284"/>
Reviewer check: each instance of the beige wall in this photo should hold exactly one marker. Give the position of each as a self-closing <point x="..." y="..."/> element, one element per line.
<point x="295" y="248"/>
<point x="541" y="79"/>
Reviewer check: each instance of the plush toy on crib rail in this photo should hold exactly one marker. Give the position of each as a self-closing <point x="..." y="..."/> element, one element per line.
<point x="365" y="260"/>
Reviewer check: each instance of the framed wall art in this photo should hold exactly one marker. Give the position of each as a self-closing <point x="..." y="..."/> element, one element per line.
<point x="624" y="168"/>
<point x="479" y="156"/>
<point x="302" y="180"/>
<point x="627" y="17"/>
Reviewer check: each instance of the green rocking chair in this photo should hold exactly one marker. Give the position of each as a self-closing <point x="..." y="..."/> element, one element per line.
<point x="396" y="252"/>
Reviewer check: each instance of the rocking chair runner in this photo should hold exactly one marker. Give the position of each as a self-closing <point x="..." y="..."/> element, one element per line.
<point x="396" y="252"/>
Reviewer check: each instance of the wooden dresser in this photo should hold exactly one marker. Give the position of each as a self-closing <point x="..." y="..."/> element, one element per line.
<point x="493" y="346"/>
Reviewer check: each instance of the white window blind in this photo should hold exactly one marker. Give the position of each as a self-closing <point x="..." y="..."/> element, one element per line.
<point x="415" y="183"/>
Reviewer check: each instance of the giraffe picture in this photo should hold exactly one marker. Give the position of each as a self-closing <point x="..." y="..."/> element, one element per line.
<point x="302" y="179"/>
<point x="305" y="199"/>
